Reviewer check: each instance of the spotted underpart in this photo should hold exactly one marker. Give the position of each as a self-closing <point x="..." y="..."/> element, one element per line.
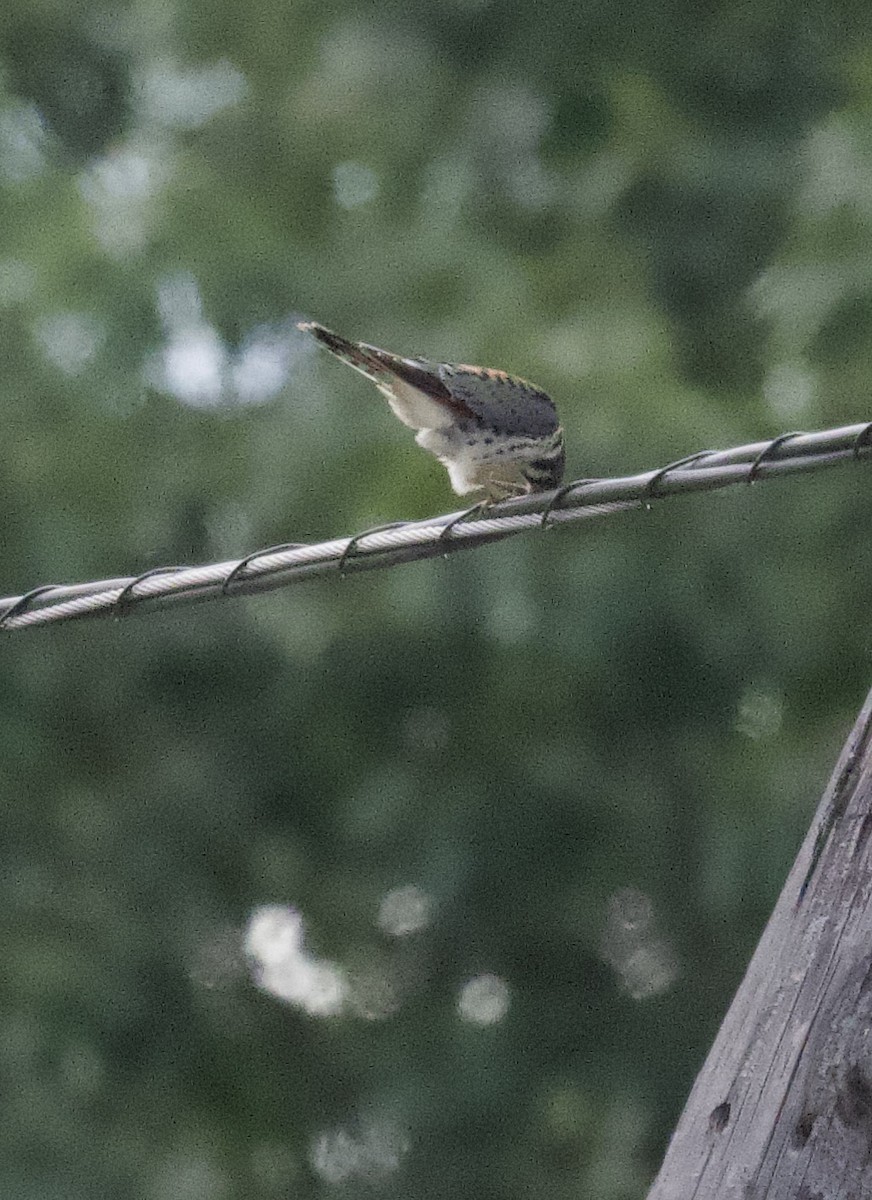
<point x="493" y="432"/>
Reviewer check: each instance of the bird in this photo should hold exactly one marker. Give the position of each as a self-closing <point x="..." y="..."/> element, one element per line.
<point x="496" y="434"/>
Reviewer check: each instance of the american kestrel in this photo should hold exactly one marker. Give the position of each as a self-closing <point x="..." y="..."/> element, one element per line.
<point x="493" y="432"/>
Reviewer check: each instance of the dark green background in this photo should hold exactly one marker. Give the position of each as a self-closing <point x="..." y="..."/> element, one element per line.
<point x="594" y="752"/>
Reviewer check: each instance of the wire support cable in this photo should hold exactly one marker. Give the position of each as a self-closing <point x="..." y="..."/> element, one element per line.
<point x="409" y="541"/>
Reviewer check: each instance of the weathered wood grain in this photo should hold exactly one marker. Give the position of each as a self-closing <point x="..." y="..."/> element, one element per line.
<point x="782" y="1108"/>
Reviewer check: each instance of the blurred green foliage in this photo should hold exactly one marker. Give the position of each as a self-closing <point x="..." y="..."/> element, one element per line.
<point x="533" y="804"/>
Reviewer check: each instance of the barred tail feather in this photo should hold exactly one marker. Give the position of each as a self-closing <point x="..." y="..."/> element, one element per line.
<point x="351" y="353"/>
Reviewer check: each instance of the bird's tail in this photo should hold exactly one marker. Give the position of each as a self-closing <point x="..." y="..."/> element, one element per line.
<point x="369" y="360"/>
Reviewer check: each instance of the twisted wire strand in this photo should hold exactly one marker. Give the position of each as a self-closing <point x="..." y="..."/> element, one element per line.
<point x="390" y="545"/>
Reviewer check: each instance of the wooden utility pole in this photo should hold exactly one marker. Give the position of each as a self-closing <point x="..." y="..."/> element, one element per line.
<point x="782" y="1109"/>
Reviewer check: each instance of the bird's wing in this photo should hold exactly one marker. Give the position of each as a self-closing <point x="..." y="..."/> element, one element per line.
<point x="504" y="402"/>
